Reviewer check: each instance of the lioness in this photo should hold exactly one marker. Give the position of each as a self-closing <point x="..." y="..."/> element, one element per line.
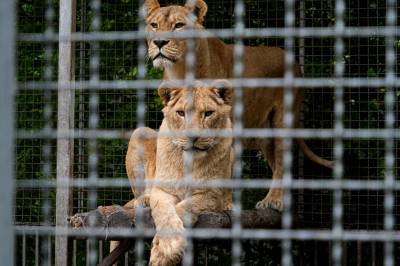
<point x="200" y="108"/>
<point x="214" y="59"/>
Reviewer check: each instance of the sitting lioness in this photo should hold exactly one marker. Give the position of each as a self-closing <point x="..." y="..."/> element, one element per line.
<point x="200" y="108"/>
<point x="263" y="107"/>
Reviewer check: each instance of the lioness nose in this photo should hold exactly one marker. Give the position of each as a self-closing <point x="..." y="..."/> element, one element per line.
<point x="160" y="43"/>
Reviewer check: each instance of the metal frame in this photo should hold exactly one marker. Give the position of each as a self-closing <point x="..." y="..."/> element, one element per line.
<point x="65" y="146"/>
<point x="7" y="74"/>
<point x="66" y="133"/>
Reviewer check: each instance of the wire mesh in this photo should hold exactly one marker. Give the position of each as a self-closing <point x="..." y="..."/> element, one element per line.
<point x="348" y="50"/>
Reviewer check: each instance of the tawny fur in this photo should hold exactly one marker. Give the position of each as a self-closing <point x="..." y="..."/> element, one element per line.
<point x="263" y="107"/>
<point x="212" y="160"/>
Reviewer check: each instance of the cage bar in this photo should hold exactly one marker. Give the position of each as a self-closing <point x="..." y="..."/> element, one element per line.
<point x="65" y="146"/>
<point x="238" y="70"/>
<point x="7" y="73"/>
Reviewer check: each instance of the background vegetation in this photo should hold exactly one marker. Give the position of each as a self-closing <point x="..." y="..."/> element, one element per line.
<point x="364" y="108"/>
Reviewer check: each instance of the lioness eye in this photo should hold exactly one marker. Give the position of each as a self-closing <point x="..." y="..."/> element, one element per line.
<point x="179" y="25"/>
<point x="208" y="113"/>
<point x="154" y="25"/>
<point x="180" y="113"/>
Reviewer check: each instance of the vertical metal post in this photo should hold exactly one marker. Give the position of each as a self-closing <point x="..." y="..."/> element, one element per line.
<point x="238" y="70"/>
<point x="65" y="122"/>
<point x="140" y="114"/>
<point x="288" y="97"/>
<point x="7" y="79"/>
<point x="390" y="118"/>
<point x="93" y="158"/>
<point x="337" y="227"/>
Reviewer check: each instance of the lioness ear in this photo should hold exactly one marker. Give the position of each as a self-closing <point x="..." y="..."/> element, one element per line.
<point x="200" y="8"/>
<point x="151" y="6"/>
<point x="224" y="90"/>
<point x="166" y="91"/>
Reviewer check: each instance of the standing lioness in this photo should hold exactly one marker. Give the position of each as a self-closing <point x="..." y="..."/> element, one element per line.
<point x="214" y="59"/>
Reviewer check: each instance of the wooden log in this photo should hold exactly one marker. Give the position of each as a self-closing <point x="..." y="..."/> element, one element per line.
<point x="116" y="216"/>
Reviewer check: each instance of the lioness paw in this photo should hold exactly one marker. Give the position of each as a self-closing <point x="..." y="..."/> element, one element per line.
<point x="274" y="200"/>
<point x="167" y="250"/>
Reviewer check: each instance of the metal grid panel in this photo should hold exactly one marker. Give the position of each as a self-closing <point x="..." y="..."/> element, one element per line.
<point x="327" y="53"/>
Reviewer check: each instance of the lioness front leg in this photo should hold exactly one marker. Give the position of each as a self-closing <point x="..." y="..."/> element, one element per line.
<point x="140" y="162"/>
<point x="168" y="243"/>
<point x="274" y="198"/>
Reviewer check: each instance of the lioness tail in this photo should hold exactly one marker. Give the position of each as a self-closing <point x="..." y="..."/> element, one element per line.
<point x="312" y="156"/>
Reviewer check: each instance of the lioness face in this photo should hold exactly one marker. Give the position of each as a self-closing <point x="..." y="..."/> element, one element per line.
<point x="165" y="52"/>
<point x="201" y="108"/>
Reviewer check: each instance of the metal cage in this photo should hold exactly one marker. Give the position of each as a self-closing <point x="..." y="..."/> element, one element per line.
<point x="76" y="83"/>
